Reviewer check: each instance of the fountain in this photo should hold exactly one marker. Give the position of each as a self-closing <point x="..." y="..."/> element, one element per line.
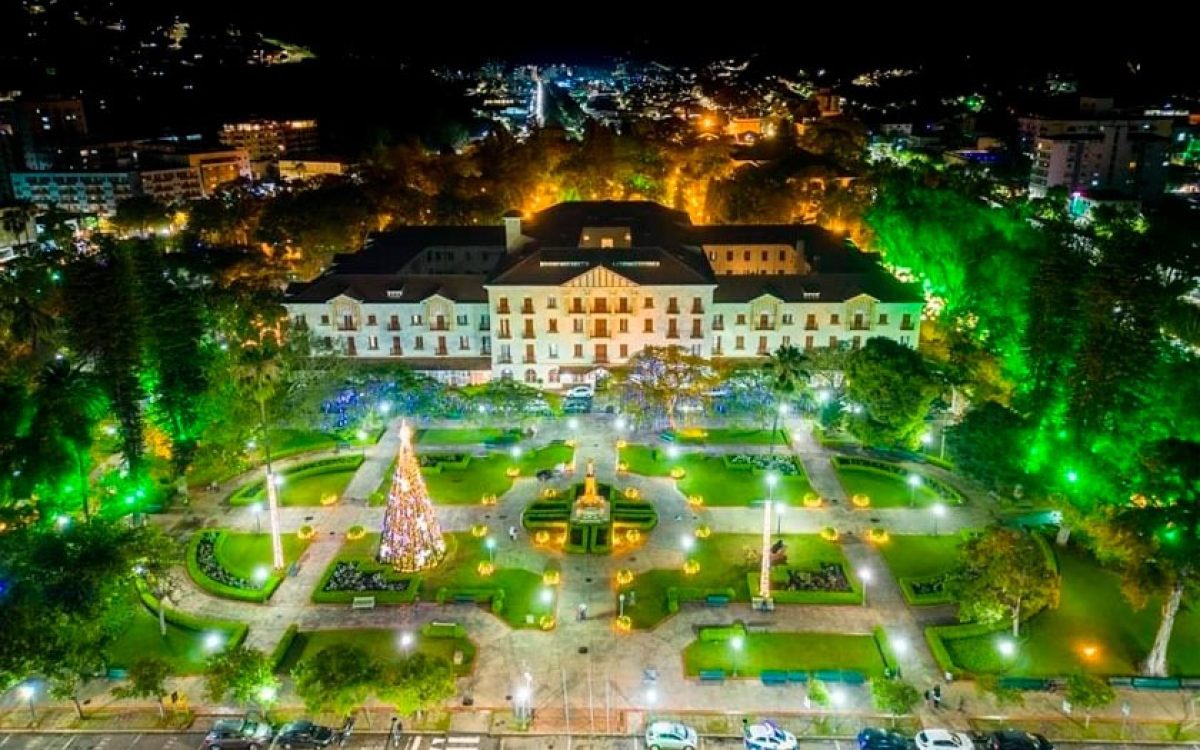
<point x="590" y="506"/>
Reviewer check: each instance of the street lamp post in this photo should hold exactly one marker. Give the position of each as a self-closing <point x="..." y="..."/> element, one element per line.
<point x="865" y="575"/>
<point x="736" y="644"/>
<point x="914" y="481"/>
<point x="27" y="692"/>
<point x="490" y="543"/>
<point x="621" y="605"/>
<point x="273" y="482"/>
<point x="257" y="508"/>
<point x="764" y="572"/>
<point x="779" y="519"/>
<point x="939" y="510"/>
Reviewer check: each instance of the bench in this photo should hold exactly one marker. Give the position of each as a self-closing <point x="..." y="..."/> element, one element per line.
<point x="1190" y="683"/>
<point x="716" y="600"/>
<point x="712" y="675"/>
<point x="362" y="602"/>
<point x="801" y="677"/>
<point x="464" y="599"/>
<point x="117" y="674"/>
<point x="1157" y="683"/>
<point x="1024" y="683"/>
<point x="773" y="677"/>
<point x="1124" y="682"/>
<point x="847" y="676"/>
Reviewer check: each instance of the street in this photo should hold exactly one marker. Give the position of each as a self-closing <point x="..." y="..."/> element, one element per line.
<point x="433" y="741"/>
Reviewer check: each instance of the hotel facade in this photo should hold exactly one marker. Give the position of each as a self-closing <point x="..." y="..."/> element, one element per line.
<point x="576" y="290"/>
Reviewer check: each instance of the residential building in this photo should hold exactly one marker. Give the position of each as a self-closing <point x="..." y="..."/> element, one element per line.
<point x="17" y="230"/>
<point x="577" y="289"/>
<point x="266" y="141"/>
<point x="77" y="192"/>
<point x="312" y="167"/>
<point x="47" y="129"/>
<point x="1098" y="148"/>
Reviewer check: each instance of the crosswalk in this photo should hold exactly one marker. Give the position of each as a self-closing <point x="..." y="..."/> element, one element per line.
<point x="442" y="742"/>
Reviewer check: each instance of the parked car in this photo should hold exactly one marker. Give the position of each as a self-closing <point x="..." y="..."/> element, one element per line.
<point x="767" y="735"/>
<point x="943" y="739"/>
<point x="1015" y="739"/>
<point x="581" y="391"/>
<point x="668" y="735"/>
<point x="873" y="738"/>
<point x="237" y="734"/>
<point x="304" y="734"/>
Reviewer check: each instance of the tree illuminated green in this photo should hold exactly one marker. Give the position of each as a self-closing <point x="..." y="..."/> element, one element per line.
<point x="892" y="388"/>
<point x="1004" y="576"/>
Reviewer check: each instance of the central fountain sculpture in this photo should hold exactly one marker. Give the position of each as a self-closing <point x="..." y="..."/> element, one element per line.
<point x="590" y="506"/>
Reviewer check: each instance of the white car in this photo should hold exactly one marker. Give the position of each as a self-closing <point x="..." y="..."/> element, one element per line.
<point x="667" y="735"/>
<point x="581" y="391"/>
<point x="943" y="739"/>
<point x="767" y="735"/>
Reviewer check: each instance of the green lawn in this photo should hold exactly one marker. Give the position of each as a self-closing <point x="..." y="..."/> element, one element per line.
<point x="722" y="559"/>
<point x="182" y="648"/>
<point x="467" y="435"/>
<point x="885" y="490"/>
<point x="482" y="476"/>
<point x="1092" y="613"/>
<point x="801" y="652"/>
<point x="720" y="484"/>
<point x="243" y="555"/>
<point x="914" y="555"/>
<point x="383" y="645"/>
<point x="734" y="436"/>
<point x="458" y="571"/>
<point x="308" y="490"/>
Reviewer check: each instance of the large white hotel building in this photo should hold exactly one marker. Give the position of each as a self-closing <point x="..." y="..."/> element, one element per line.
<point x="563" y="296"/>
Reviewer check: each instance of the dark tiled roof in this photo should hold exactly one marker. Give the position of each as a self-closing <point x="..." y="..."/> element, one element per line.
<point x="830" y="287"/>
<point x="552" y="266"/>
<point x="375" y="288"/>
<point x="389" y="252"/>
<point x="651" y="224"/>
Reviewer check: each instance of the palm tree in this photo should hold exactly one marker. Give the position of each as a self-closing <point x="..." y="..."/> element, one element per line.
<point x="259" y="374"/>
<point x="787" y="375"/>
<point x="67" y="404"/>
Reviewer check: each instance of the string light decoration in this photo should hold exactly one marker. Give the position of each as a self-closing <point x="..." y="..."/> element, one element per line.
<point x="412" y="537"/>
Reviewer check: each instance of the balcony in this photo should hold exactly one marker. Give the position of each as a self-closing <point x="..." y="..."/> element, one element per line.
<point x="601" y="334"/>
<point x="672" y="309"/>
<point x="764" y="326"/>
<point x="504" y="359"/>
<point x="527" y="309"/>
<point x="396" y="352"/>
<point x="624" y="309"/>
<point x="576" y="310"/>
<point x="811" y="326"/>
<point x="439" y="327"/>
<point x="529" y="360"/>
<point x="502" y="310"/>
<point x="860" y="327"/>
<point x="718" y="326"/>
<point x="672" y="334"/>
<point x="697" y="308"/>
<point x="441" y="352"/>
<point x="504" y="334"/>
<point x="344" y="327"/>
<point x="393" y="326"/>
<point x="697" y="335"/>
<point x="907" y="326"/>
<point x="600" y="359"/>
<point x="600" y="308"/>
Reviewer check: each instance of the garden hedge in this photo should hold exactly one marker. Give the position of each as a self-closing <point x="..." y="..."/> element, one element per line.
<point x="939" y="488"/>
<point x="718" y="633"/>
<point x="216" y="588"/>
<point x="321" y="596"/>
<point x="280" y="651"/>
<point x="443" y="630"/>
<point x="247" y="493"/>
<point x="924" y="600"/>
<point x="237" y="630"/>
<point x="884" y="644"/>
<point x="679" y="594"/>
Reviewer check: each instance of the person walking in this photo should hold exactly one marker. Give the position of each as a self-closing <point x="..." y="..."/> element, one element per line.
<point x="937" y="696"/>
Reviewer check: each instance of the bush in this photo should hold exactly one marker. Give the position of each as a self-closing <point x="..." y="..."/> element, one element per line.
<point x="922" y="591"/>
<point x="281" y="648"/>
<point x="720" y="633"/>
<point x="237" y="630"/>
<point x="784" y="465"/>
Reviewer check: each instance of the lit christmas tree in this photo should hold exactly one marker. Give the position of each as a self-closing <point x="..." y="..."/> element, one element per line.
<point x="412" y="537"/>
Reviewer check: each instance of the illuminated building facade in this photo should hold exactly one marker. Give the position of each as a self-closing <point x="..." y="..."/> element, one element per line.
<point x="579" y="288"/>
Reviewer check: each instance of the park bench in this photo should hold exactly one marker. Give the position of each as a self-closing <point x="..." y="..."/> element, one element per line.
<point x="117" y="674"/>
<point x="1157" y="683"/>
<point x="1190" y="683"/>
<point x="716" y="600"/>
<point x="1122" y="682"/>
<point x="797" y="676"/>
<point x="848" y="676"/>
<point x="1024" y="683"/>
<point x="712" y="675"/>
<point x="362" y="602"/>
<point x="464" y="598"/>
<point x="774" y="677"/>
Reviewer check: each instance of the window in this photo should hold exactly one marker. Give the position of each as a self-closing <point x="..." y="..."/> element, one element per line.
<point x="739" y="342"/>
<point x="623" y="325"/>
<point x="371" y="320"/>
<point x="394" y="323"/>
<point x="746" y="255"/>
<point x="552" y="351"/>
<point x="810" y="322"/>
<point x="856" y="342"/>
<point x="624" y="351"/>
<point x="464" y="343"/>
<point x="716" y="345"/>
<point x="601" y="352"/>
<point x="578" y="325"/>
<point x="416" y="320"/>
<point x="300" y="321"/>
<point x="649" y="303"/>
<point x="577" y="304"/>
<point x="835" y="319"/>
<point x="648" y="325"/>
<point x="553" y="323"/>
<point x="673" y="305"/>
<point x="741" y="319"/>
<point x="762" y="345"/>
<point x="460" y="320"/>
<point x="787" y="319"/>
<point x="373" y="342"/>
<point x="351" y="347"/>
<point x="833" y="342"/>
<point x="578" y="351"/>
<point x="906" y="323"/>
<point x="324" y="320"/>
<point x="397" y="349"/>
<point x="527" y="305"/>
<point x="883" y="319"/>
<point x="419" y="343"/>
<point x="623" y="305"/>
<point x="530" y="354"/>
<point x="728" y="256"/>
<point x="782" y="255"/>
<point x="718" y="322"/>
<point x="502" y="306"/>
<point x="504" y="329"/>
<point x="531" y="375"/>
<point x="552" y="303"/>
<point x="528" y="332"/>
<point x="765" y="256"/>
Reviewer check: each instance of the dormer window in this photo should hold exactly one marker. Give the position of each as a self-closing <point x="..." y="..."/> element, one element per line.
<point x="395" y="293"/>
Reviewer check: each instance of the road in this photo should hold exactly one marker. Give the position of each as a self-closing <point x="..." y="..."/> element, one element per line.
<point x="377" y="741"/>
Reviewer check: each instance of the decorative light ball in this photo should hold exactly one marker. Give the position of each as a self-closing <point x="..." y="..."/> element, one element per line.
<point x="633" y="536"/>
<point x="330" y="498"/>
<point x="621" y="445"/>
<point x="551" y="578"/>
<point x="812" y="500"/>
<point x="877" y="535"/>
<point x="546" y="622"/>
<point x="541" y="537"/>
<point x="479" y="530"/>
<point x="624" y="577"/>
<point x="356" y="532"/>
<point x="677" y="472"/>
<point x="513" y="472"/>
<point x="1139" y="500"/>
<point x="306" y="532"/>
<point x="549" y="493"/>
<point x="859" y="500"/>
<point x="569" y="442"/>
<point x="695" y="500"/>
<point x="485" y="568"/>
<point x="632" y="493"/>
<point x="691" y="567"/>
<point x="703" y="532"/>
<point x="829" y="534"/>
<point x="623" y="624"/>
<point x="488" y="499"/>
<point x="622" y="467"/>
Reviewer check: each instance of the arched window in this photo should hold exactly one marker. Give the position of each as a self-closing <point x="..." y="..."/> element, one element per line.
<point x="552" y="376"/>
<point x="531" y="375"/>
<point x="506" y="374"/>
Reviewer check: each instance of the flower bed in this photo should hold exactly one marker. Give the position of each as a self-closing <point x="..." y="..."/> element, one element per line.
<point x="827" y="577"/>
<point x="782" y="465"/>
<point x="223" y="564"/>
<point x="206" y="561"/>
<point x="350" y="576"/>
